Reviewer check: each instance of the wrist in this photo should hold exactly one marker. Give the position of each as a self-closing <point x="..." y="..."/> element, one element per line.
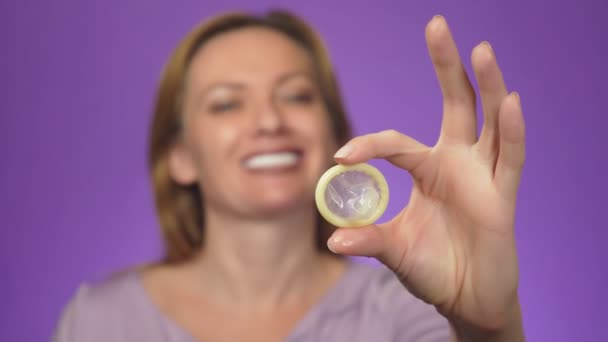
<point x="510" y="330"/>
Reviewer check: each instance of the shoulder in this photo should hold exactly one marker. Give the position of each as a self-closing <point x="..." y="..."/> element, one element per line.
<point x="378" y="297"/>
<point x="100" y="310"/>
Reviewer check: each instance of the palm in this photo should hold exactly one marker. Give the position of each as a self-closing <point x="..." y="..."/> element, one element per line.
<point x="453" y="244"/>
<point x="447" y="215"/>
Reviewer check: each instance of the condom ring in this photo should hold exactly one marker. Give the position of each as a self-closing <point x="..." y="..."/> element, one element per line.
<point x="352" y="195"/>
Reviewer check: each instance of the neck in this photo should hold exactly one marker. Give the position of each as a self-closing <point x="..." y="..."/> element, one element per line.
<point x="261" y="262"/>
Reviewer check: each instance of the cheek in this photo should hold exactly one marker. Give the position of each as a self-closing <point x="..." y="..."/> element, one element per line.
<point x="327" y="133"/>
<point x="321" y="136"/>
<point x="211" y="144"/>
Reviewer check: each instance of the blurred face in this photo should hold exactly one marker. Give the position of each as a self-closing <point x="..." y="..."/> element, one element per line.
<point x="256" y="133"/>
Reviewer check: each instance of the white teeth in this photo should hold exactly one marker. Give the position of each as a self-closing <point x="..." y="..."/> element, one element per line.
<point x="272" y="160"/>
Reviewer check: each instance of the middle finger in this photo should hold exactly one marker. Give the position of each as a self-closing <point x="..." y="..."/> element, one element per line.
<point x="492" y="90"/>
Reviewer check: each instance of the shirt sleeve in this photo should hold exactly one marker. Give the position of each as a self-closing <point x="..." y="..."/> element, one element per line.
<point x="67" y="324"/>
<point x="96" y="313"/>
<point x="113" y="309"/>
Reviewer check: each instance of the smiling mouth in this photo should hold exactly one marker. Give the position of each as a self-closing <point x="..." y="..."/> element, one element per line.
<point x="269" y="161"/>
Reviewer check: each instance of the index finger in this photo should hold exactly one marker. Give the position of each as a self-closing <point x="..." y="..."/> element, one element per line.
<point x="397" y="148"/>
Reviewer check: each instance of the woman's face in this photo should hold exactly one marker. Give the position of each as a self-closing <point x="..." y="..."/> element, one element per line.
<point x="256" y="133"/>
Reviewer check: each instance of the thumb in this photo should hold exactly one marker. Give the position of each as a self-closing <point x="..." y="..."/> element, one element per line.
<point x="371" y="241"/>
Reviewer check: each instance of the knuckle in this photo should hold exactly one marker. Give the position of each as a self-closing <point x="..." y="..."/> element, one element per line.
<point x="392" y="133"/>
<point x="462" y="97"/>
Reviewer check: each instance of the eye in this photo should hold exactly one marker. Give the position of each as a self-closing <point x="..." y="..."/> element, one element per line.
<point x="299" y="98"/>
<point x="226" y="106"/>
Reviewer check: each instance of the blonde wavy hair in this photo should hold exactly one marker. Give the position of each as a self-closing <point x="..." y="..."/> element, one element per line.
<point x="180" y="208"/>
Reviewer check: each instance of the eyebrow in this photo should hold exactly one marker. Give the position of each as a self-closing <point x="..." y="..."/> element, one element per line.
<point x="232" y="85"/>
<point x="294" y="74"/>
<point x="242" y="86"/>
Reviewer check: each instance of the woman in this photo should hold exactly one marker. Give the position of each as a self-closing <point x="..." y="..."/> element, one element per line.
<point x="248" y="117"/>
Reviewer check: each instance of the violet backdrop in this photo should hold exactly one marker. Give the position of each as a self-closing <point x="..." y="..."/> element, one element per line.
<point x="77" y="85"/>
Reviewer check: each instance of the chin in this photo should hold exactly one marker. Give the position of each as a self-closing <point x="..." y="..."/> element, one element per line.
<point x="270" y="204"/>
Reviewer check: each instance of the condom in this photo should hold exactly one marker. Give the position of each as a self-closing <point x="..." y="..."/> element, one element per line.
<point x="352" y="195"/>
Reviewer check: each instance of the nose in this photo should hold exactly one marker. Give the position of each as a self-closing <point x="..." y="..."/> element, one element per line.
<point x="269" y="118"/>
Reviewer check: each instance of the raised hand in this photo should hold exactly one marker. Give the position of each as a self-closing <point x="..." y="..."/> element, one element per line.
<point x="453" y="245"/>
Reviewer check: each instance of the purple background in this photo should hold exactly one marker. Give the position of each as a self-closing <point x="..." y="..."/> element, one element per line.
<point x="77" y="83"/>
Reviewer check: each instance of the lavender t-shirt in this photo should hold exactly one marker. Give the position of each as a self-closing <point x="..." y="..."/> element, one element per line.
<point x="367" y="304"/>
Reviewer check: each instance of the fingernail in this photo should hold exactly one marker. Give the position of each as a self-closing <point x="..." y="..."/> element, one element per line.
<point x="436" y="22"/>
<point x="334" y="240"/>
<point x="489" y="46"/>
<point x="344" y="152"/>
<point x="339" y="240"/>
<point x="347" y="243"/>
<point x="516" y="94"/>
<point x="329" y="246"/>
